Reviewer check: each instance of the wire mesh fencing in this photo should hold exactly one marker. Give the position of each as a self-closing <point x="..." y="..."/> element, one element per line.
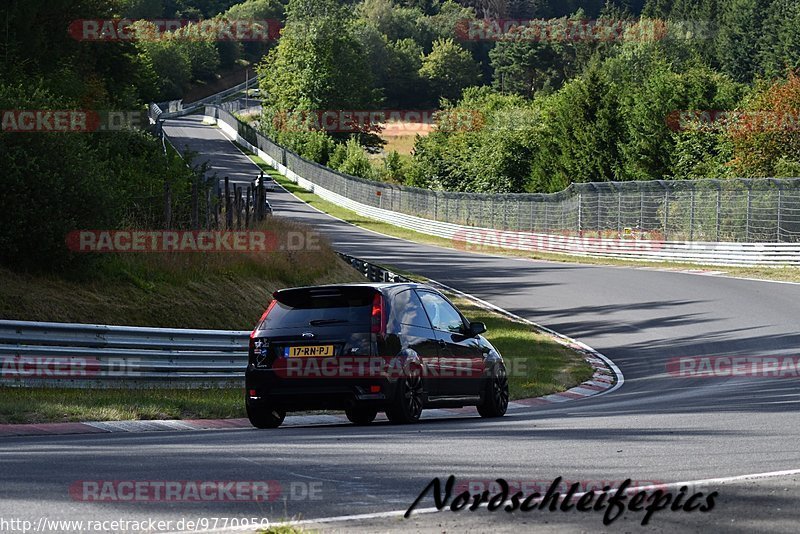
<point x="763" y="210"/>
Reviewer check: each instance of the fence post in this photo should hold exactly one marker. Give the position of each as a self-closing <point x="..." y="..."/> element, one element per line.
<point x="546" y="216"/>
<point x="531" y="202"/>
<point x="641" y="208"/>
<point x="195" y="206"/>
<point x="580" y="214"/>
<point x="666" y="209"/>
<point x="228" y="211"/>
<point x="237" y="202"/>
<point x="749" y="208"/>
<point x="208" y="208"/>
<point x="247" y="208"/>
<point x="261" y="200"/>
<point x="719" y="208"/>
<point x="619" y="213"/>
<point x="167" y="205"/>
<point x="599" y="214"/>
<point x="691" y="214"/>
<point x="780" y="208"/>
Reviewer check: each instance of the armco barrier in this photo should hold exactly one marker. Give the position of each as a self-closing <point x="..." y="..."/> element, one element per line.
<point x="699" y="252"/>
<point x="85" y="355"/>
<point x="40" y="354"/>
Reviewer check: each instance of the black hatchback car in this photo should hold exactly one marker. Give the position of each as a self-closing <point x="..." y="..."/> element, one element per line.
<point x="369" y="348"/>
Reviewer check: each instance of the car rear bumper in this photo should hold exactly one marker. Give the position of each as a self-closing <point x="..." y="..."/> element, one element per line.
<point x="263" y="387"/>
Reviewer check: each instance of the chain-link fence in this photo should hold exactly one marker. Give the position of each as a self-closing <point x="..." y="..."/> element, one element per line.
<point x="737" y="210"/>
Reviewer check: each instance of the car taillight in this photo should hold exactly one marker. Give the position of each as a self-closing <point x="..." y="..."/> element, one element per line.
<point x="378" y="323"/>
<point x="269" y="308"/>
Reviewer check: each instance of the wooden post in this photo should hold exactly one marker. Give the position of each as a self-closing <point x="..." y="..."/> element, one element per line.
<point x="208" y="208"/>
<point x="237" y="190"/>
<point x="247" y="208"/>
<point x="195" y="206"/>
<point x="167" y="205"/>
<point x="228" y="210"/>
<point x="262" y="198"/>
<point x="218" y="210"/>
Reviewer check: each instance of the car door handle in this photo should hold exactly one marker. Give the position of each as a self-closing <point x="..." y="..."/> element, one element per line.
<point x="442" y="343"/>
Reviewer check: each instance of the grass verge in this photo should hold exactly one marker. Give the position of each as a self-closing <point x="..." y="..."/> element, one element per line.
<point x="786" y="274"/>
<point x="180" y="290"/>
<point x="49" y="405"/>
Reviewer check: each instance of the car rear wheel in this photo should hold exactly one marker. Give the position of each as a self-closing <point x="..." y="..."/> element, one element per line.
<point x="361" y="416"/>
<point x="407" y="406"/>
<point x="264" y="416"/>
<point x="495" y="401"/>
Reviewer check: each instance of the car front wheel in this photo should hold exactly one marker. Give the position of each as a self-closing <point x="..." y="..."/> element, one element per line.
<point x="495" y="399"/>
<point x="407" y="406"/>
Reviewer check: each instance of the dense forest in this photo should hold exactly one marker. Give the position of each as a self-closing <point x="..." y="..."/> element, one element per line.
<point x="679" y="88"/>
<point x="553" y="110"/>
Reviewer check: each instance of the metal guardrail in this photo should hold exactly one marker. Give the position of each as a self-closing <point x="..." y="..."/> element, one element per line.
<point x="82" y="355"/>
<point x="43" y="354"/>
<point x="177" y="108"/>
<point x="374" y="273"/>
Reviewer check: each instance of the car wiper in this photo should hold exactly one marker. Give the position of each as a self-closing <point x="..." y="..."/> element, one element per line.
<point x="317" y="322"/>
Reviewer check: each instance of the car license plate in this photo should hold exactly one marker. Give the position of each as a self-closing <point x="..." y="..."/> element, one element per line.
<point x="308" y="351"/>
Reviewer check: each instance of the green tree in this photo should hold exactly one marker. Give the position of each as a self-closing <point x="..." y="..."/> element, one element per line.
<point x="319" y="63"/>
<point x="449" y="69"/>
<point x="779" y="46"/>
<point x="738" y="37"/>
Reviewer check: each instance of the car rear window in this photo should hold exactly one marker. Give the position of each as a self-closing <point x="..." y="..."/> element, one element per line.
<point x="319" y="308"/>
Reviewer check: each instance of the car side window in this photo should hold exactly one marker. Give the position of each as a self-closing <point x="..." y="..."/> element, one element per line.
<point x="442" y="314"/>
<point x="407" y="309"/>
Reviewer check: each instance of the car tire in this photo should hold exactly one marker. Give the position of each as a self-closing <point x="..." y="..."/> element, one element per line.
<point x="407" y="405"/>
<point x="495" y="398"/>
<point x="361" y="416"/>
<point x="264" y="416"/>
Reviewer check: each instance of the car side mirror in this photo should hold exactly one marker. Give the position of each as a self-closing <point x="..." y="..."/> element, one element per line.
<point x="476" y="329"/>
